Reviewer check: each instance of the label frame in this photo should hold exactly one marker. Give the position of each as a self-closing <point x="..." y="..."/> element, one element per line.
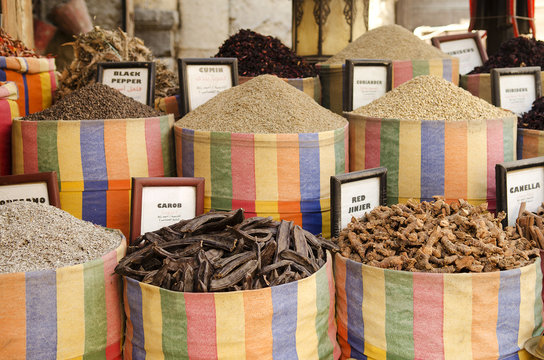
<point x="498" y="72"/>
<point x="348" y="78"/>
<point x="131" y="65"/>
<point x="437" y="40"/>
<point x="49" y="178"/>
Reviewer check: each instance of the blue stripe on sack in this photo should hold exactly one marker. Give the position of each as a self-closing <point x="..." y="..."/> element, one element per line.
<point x="310" y="182"/>
<point x="447" y="69"/>
<point x="519" y="145"/>
<point x="41" y="314"/>
<point x="432" y="159"/>
<point x="179" y="101"/>
<point x="188" y="153"/>
<point x="26" y="93"/>
<point x="3" y="62"/>
<point x="94" y="207"/>
<point x="508" y="312"/>
<point x="3" y="76"/>
<point x="354" y="292"/>
<point x="284" y="321"/>
<point x="298" y="83"/>
<point x="93" y="155"/>
<point x="538" y="296"/>
<point x="134" y="296"/>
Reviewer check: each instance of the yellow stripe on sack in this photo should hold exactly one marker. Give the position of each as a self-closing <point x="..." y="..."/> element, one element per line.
<point x="527" y="304"/>
<point x="266" y="175"/>
<point x="72" y="202"/>
<point x="230" y="325"/>
<point x="325" y="217"/>
<point x="373" y="352"/>
<point x="374" y="306"/>
<point x="45" y="80"/>
<point x="306" y="336"/>
<point x="202" y="162"/>
<point x="136" y="149"/>
<point x="476" y="156"/>
<point x="409" y="159"/>
<point x="436" y="67"/>
<point x="17" y="166"/>
<point x="70" y="312"/>
<point x="457" y="316"/>
<point x="152" y="321"/>
<point x="357" y="133"/>
<point x="70" y="168"/>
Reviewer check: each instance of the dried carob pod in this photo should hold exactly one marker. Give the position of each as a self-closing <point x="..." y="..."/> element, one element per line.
<point x="222" y="251"/>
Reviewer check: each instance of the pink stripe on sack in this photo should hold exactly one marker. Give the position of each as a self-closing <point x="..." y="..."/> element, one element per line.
<point x="242" y="156"/>
<point x="372" y="144"/>
<point x="428" y="316"/>
<point x="29" y="131"/>
<point x="113" y="301"/>
<point x="341" y="305"/>
<point x="201" y="332"/>
<point x="495" y="155"/>
<point x="154" y="147"/>
<point x="402" y="72"/>
<point x="332" y="326"/>
<point x="473" y="84"/>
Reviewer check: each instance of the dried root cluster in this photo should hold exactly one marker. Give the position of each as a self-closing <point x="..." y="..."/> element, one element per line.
<point x="435" y="237"/>
<point x="531" y="225"/>
<point x="222" y="251"/>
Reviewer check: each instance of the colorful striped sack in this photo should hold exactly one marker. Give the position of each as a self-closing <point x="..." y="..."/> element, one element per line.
<point x="72" y="312"/>
<point x="8" y="110"/>
<point x="286" y="176"/>
<point x="170" y="105"/>
<point x="35" y="79"/>
<point x="480" y="84"/>
<point x="433" y="157"/>
<point x="331" y="76"/>
<point x="290" y="321"/>
<point x="95" y="160"/>
<point x="309" y="85"/>
<point x="530" y="143"/>
<point x="414" y="315"/>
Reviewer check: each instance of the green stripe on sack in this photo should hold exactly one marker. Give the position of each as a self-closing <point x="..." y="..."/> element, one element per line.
<point x="339" y="151"/>
<point x="174" y="325"/>
<point x="167" y="143"/>
<point x="389" y="157"/>
<point x="221" y="171"/>
<point x="420" y="67"/>
<point x="47" y="147"/>
<point x="96" y="322"/>
<point x="325" y="346"/>
<point x="508" y="132"/>
<point x="399" y="315"/>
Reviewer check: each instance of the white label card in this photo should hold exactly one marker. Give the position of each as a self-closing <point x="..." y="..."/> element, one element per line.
<point x="358" y="198"/>
<point x="166" y="205"/>
<point x="369" y="83"/>
<point x="131" y="82"/>
<point x="517" y="92"/>
<point x="35" y="192"/>
<point x="524" y="185"/>
<point x="206" y="81"/>
<point x="466" y="51"/>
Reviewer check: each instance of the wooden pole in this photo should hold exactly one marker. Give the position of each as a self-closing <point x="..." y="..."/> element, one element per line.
<point x="17" y="20"/>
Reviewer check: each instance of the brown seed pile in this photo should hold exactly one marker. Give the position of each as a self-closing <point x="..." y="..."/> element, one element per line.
<point x="389" y="42"/>
<point x="265" y="104"/>
<point x="435" y="237"/>
<point x="95" y="102"/>
<point x="38" y="237"/>
<point x="430" y="97"/>
<point x="222" y="251"/>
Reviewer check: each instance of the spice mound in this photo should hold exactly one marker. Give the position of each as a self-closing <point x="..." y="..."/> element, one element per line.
<point x="515" y="52"/>
<point x="93" y="102"/>
<point x="222" y="251"/>
<point x="265" y="104"/>
<point x="259" y="54"/>
<point x="430" y="97"/>
<point x="435" y="237"/>
<point x="39" y="237"/>
<point x="389" y="42"/>
<point x="534" y="118"/>
<point x="12" y="47"/>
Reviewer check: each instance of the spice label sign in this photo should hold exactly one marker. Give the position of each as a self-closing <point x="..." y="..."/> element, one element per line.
<point x="33" y="192"/>
<point x="369" y="83"/>
<point x="524" y="185"/>
<point x="466" y="50"/>
<point x="133" y="79"/>
<point x="206" y="81"/>
<point x="166" y="205"/>
<point x="515" y="89"/>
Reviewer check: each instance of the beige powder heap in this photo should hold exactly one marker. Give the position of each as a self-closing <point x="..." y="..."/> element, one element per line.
<point x="265" y="104"/>
<point x="430" y="97"/>
<point x="38" y="237"/>
<point x="389" y="42"/>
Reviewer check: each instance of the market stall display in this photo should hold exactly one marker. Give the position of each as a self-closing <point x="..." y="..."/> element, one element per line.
<point x="59" y="296"/>
<point x="434" y="280"/>
<point x="434" y="138"/>
<point x="112" y="139"/>
<point x="245" y="288"/>
<point x="266" y="147"/>
<point x="411" y="57"/>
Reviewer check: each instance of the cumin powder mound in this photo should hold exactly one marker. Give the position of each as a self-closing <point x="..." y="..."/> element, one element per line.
<point x="430" y="97"/>
<point x="39" y="236"/>
<point x="390" y="42"/>
<point x="95" y="102"/>
<point x="265" y="104"/>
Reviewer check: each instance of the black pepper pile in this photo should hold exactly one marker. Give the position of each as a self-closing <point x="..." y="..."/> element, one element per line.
<point x="259" y="54"/>
<point x="95" y="101"/>
<point x="516" y="52"/>
<point x="534" y="118"/>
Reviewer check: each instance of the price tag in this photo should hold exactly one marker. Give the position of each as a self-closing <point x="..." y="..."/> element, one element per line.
<point x="356" y="193"/>
<point x="133" y="79"/>
<point x="515" y="89"/>
<point x="365" y="81"/>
